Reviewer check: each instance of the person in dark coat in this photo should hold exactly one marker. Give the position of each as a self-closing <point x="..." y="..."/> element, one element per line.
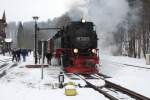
<point x="3" y="51"/>
<point x="49" y="57"/>
<point x="18" y="52"/>
<point x="14" y="54"/>
<point x="24" y="54"/>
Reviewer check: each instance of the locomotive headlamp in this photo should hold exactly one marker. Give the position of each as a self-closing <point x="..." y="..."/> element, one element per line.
<point x="75" y="50"/>
<point x="83" y="20"/>
<point x="94" y="51"/>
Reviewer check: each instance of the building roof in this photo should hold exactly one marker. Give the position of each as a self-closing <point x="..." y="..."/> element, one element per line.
<point x="3" y="20"/>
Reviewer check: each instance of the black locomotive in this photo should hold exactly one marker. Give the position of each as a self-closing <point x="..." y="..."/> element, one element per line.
<point x="75" y="46"/>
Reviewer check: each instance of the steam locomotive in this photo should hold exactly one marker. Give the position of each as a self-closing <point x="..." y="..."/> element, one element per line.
<point x="75" y="46"/>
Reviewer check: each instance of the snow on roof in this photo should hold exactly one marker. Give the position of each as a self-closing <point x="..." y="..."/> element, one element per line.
<point x="8" y="40"/>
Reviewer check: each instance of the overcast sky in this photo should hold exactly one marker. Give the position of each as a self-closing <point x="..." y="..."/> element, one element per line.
<point x="23" y="10"/>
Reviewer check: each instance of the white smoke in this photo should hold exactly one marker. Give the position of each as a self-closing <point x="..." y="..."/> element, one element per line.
<point x="77" y="9"/>
<point x="106" y="15"/>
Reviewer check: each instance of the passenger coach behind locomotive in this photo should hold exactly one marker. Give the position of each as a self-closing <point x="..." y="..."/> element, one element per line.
<point x="76" y="47"/>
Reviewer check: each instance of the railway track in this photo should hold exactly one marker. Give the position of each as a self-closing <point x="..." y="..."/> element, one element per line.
<point x="5" y="60"/>
<point x="113" y="91"/>
<point x="135" y="66"/>
<point x="125" y="90"/>
<point x="5" y="64"/>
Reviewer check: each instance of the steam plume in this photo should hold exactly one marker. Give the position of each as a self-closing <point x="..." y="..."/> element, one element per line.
<point x="106" y="15"/>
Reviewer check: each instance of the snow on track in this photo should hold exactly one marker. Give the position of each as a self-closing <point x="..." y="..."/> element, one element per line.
<point x="135" y="79"/>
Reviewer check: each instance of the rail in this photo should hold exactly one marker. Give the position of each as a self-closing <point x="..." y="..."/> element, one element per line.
<point x="126" y="91"/>
<point x="133" y="94"/>
<point x="117" y="87"/>
<point x="98" y="89"/>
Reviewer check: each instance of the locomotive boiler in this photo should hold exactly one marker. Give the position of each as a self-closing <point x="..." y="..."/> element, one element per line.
<point x="75" y="46"/>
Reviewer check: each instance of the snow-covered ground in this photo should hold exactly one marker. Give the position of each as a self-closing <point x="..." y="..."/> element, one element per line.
<point x="136" y="79"/>
<point x="21" y="83"/>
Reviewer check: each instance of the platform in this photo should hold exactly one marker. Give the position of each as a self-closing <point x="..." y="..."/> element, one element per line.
<point x="36" y="65"/>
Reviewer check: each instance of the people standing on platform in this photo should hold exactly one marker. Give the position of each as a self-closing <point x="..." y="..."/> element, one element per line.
<point x="49" y="57"/>
<point x="3" y="51"/>
<point x="14" y="54"/>
<point x="24" y="54"/>
<point x="18" y="52"/>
